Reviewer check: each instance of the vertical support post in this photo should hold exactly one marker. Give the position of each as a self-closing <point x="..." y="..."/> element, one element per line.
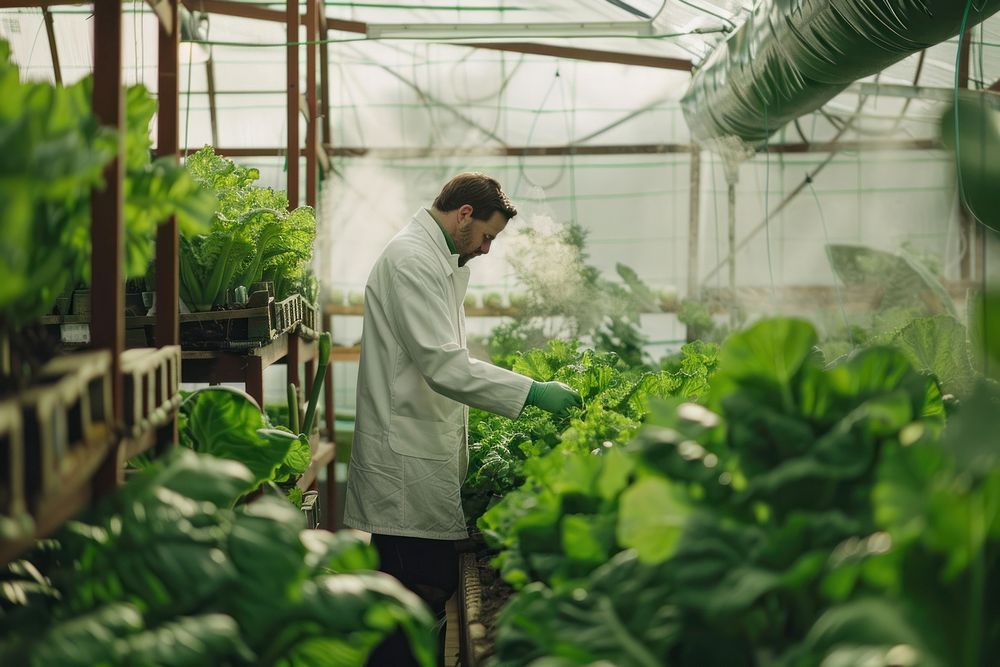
<point x="967" y="224"/>
<point x="255" y="379"/>
<point x="167" y="331"/>
<point x="107" y="232"/>
<point x="50" y="32"/>
<point x="292" y="100"/>
<point x="213" y="110"/>
<point x="324" y="75"/>
<point x="732" y="251"/>
<point x="694" y="222"/>
<point x="312" y="123"/>
<point x="167" y="144"/>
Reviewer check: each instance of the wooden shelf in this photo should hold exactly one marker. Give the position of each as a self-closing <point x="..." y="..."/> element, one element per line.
<point x="332" y="309"/>
<point x="74" y="494"/>
<point x="341" y="353"/>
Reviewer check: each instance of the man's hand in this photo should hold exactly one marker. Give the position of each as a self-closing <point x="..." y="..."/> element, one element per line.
<point x="554" y="397"/>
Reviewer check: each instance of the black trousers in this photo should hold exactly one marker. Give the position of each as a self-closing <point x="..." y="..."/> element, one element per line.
<point x="427" y="567"/>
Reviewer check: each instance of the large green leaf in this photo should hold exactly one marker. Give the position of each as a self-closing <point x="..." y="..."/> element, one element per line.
<point x="770" y="351"/>
<point x="871" y="623"/>
<point x="938" y="345"/>
<point x="650" y="519"/>
<point x="901" y="281"/>
<point x="89" y="639"/>
<point x="224" y="422"/>
<point x="189" y="641"/>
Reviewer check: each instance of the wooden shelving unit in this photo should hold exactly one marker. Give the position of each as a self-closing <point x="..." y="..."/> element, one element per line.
<point x="141" y="389"/>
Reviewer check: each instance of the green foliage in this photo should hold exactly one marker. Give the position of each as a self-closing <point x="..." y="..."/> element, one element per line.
<point x="54" y="152"/>
<point x="166" y="572"/>
<point x="227" y="423"/>
<point x="803" y="514"/>
<point x="563" y="478"/>
<point x="938" y="346"/>
<point x="253" y="236"/>
<point x="509" y="339"/>
<point x="615" y="402"/>
<point x="984" y="326"/>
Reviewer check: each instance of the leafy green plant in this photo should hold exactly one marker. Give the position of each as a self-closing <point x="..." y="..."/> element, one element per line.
<point x="166" y="572"/>
<point x="54" y="152"/>
<point x="754" y="517"/>
<point x="560" y="523"/>
<point x="253" y="236"/>
<point x="228" y="423"/>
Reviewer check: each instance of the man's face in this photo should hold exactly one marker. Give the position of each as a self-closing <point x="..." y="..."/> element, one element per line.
<point x="474" y="237"/>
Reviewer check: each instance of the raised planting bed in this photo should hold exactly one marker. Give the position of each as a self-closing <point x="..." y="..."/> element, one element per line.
<point x="482" y="593"/>
<point x="13" y="503"/>
<point x="67" y="421"/>
<point x="54" y="435"/>
<point x="260" y="322"/>
<point x="151" y="396"/>
<point x="312" y="319"/>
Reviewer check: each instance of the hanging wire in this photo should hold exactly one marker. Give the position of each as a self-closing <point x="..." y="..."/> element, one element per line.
<point x="531" y="131"/>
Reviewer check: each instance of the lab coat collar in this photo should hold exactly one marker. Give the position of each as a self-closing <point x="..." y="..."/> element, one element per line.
<point x="449" y="260"/>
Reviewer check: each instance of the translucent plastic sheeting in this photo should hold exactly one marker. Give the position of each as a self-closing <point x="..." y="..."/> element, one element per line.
<point x="792" y="56"/>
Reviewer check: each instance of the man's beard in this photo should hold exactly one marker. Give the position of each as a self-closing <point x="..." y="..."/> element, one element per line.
<point x="462" y="239"/>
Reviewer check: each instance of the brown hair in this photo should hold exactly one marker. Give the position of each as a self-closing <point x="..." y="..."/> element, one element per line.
<point x="479" y="191"/>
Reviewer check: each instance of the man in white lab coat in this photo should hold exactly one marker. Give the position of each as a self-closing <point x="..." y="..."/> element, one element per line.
<point x="415" y="383"/>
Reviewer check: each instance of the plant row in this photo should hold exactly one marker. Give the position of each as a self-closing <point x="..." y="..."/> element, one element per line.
<point x="797" y="512"/>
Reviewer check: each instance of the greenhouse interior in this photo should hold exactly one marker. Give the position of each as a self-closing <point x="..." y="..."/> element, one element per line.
<point x="719" y="389"/>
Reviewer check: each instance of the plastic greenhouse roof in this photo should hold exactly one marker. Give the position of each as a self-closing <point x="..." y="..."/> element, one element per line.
<point x="420" y="49"/>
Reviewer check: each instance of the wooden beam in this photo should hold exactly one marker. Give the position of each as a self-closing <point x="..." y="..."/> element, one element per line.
<point x="163" y="11"/>
<point x="312" y="124"/>
<point x="404" y="152"/>
<point x="18" y="4"/>
<point x="593" y="55"/>
<point x="863" y="145"/>
<point x="50" y="33"/>
<point x="324" y="80"/>
<point x="167" y="143"/>
<point x="292" y="99"/>
<point x="107" y="230"/>
<point x="248" y="10"/>
<point x="244" y="10"/>
<point x="244" y="151"/>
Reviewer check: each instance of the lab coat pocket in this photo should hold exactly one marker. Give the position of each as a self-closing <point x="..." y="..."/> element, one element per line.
<point x="424" y="438"/>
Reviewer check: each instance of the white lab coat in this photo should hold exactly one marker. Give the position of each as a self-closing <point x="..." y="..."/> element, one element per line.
<point x="410" y="453"/>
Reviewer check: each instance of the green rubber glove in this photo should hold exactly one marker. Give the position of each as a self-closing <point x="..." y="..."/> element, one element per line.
<point x="554" y="397"/>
